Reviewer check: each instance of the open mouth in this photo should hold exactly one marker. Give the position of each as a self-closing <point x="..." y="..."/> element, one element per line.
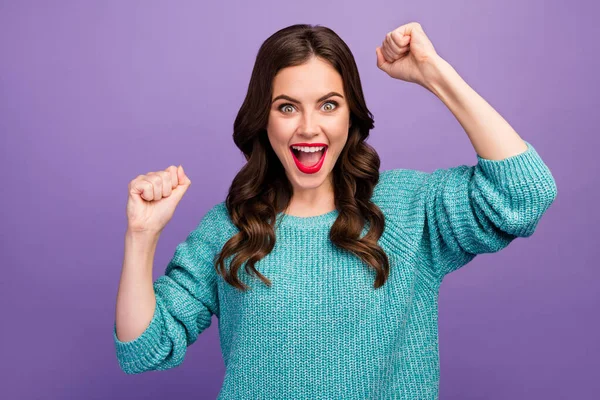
<point x="309" y="162"/>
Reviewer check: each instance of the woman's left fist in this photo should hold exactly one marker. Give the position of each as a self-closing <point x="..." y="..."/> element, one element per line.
<point x="406" y="53"/>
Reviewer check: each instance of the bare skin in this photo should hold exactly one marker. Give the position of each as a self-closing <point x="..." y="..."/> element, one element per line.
<point x="310" y="121"/>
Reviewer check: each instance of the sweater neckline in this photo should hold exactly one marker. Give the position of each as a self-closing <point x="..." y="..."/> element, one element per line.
<point x="322" y="220"/>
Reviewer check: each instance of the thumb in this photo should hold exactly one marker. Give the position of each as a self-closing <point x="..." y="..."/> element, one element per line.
<point x="183" y="185"/>
<point x="381" y="63"/>
<point x="182" y="177"/>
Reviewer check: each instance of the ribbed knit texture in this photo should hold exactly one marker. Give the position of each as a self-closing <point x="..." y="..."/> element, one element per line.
<point x="322" y="331"/>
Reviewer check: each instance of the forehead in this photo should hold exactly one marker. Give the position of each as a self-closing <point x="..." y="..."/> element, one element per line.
<point x="311" y="79"/>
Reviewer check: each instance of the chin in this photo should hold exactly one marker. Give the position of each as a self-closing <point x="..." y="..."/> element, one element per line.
<point x="307" y="181"/>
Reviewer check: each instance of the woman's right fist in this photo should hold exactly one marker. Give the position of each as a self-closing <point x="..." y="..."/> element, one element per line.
<point x="153" y="198"/>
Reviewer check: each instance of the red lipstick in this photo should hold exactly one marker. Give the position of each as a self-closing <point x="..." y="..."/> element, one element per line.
<point x="313" y="168"/>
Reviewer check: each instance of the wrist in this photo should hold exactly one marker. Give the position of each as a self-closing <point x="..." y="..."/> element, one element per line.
<point x="142" y="237"/>
<point x="436" y="73"/>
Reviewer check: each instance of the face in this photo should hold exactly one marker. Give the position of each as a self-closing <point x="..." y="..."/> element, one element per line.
<point x="308" y="108"/>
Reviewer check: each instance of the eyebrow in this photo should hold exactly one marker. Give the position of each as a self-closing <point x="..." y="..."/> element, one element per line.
<point x="283" y="96"/>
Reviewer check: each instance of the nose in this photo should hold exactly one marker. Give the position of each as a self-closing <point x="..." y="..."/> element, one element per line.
<point x="309" y="125"/>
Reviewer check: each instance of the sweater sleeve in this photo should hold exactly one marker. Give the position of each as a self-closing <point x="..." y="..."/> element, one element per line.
<point x="471" y="210"/>
<point x="186" y="298"/>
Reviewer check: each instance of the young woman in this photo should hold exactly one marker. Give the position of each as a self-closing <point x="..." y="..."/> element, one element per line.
<point x="337" y="297"/>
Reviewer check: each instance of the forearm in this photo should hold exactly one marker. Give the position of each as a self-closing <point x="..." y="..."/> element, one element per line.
<point x="136" y="301"/>
<point x="490" y="134"/>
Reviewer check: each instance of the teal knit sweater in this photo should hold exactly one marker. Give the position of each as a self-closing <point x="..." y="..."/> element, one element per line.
<point x="321" y="331"/>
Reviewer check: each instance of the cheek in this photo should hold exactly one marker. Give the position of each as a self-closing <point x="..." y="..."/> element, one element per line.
<point x="338" y="131"/>
<point x="278" y="138"/>
<point x="339" y="123"/>
<point x="280" y="128"/>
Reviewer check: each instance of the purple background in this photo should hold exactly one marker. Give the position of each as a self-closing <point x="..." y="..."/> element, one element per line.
<point x="93" y="94"/>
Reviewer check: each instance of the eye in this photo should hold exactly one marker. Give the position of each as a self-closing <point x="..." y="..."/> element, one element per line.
<point x="281" y="107"/>
<point x="332" y="102"/>
<point x="284" y="105"/>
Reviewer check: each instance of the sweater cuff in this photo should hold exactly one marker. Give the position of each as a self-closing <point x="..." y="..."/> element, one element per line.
<point x="135" y="354"/>
<point x="520" y="169"/>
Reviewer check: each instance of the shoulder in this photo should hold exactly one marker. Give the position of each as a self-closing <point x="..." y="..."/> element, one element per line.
<point x="399" y="185"/>
<point x="215" y="217"/>
<point x="397" y="190"/>
<point x="216" y="222"/>
<point x="216" y="213"/>
<point x="399" y="194"/>
<point x="410" y="184"/>
<point x="406" y="177"/>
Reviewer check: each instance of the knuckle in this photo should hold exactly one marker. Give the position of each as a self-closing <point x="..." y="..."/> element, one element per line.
<point x="166" y="178"/>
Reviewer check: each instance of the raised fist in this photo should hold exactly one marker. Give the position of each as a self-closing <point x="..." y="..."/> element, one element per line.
<point x="153" y="198"/>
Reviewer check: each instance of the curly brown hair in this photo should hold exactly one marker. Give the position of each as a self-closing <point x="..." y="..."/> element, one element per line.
<point x="261" y="189"/>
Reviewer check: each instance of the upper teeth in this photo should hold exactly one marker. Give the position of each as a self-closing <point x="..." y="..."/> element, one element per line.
<point x="308" y="149"/>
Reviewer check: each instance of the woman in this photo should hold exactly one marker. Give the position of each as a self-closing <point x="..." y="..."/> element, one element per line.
<point x="342" y="263"/>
